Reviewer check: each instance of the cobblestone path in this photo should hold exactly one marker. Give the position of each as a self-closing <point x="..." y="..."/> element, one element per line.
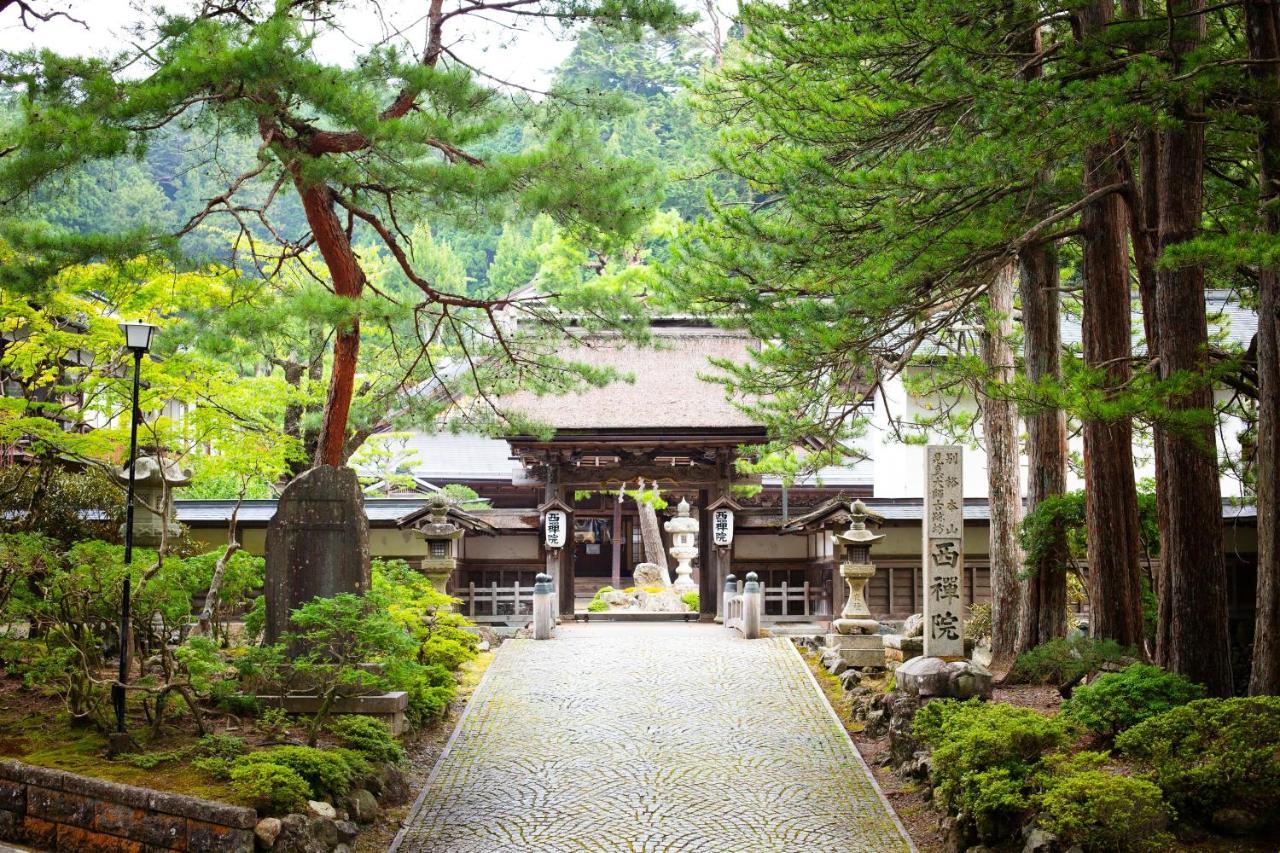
<point x="650" y="738"/>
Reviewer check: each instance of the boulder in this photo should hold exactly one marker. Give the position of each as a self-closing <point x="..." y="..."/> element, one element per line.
<point x="913" y="625"/>
<point x="267" y="831"/>
<point x="295" y="836"/>
<point x="930" y="677"/>
<point x="836" y="665"/>
<point x="363" y="806"/>
<point x="393" y="790"/>
<point x="1036" y="840"/>
<point x="323" y="832"/>
<point x="321" y="809"/>
<point x="616" y="598"/>
<point x="666" y="601"/>
<point x="648" y="574"/>
<point x="347" y="831"/>
<point x="850" y="679"/>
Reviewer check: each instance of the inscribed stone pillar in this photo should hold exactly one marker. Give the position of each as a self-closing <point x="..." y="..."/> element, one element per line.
<point x="943" y="553"/>
<point x="317" y="543"/>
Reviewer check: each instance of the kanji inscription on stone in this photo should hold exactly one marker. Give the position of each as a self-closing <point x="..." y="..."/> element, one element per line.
<point x="943" y="550"/>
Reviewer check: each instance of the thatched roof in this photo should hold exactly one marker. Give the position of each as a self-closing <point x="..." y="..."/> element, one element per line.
<point x="666" y="389"/>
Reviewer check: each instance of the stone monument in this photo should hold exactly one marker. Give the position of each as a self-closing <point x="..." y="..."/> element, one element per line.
<point x="442" y="537"/>
<point x="684" y="547"/>
<point x="317" y="543"/>
<point x="943" y="551"/>
<point x="154" y="482"/>
<point x="943" y="670"/>
<point x="857" y="640"/>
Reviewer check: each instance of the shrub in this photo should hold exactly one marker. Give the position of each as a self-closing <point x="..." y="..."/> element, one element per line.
<point x="984" y="758"/>
<point x="1065" y="660"/>
<point x="227" y="696"/>
<point x="218" y="768"/>
<point x="1101" y="811"/>
<point x="368" y="736"/>
<point x="430" y="688"/>
<point x="693" y="600"/>
<point x="1213" y="752"/>
<point x="1120" y="700"/>
<point x="221" y="746"/>
<point x="273" y="788"/>
<point x="597" y="605"/>
<point x="272" y="724"/>
<point x="328" y="772"/>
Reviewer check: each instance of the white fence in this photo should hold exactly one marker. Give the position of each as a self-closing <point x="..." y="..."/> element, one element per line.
<point x="495" y="603"/>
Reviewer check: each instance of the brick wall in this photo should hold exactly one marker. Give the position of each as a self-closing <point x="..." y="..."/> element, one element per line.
<point x="59" y="811"/>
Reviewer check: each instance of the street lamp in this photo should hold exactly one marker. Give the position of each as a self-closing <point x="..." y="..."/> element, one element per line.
<point x="137" y="337"/>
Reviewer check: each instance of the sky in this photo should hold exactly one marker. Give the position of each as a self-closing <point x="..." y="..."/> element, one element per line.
<point x="510" y="48"/>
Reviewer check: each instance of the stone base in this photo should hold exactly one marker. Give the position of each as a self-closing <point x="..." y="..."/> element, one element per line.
<point x="388" y="707"/>
<point x="899" y="649"/>
<point x="934" y="678"/>
<point x="855" y="649"/>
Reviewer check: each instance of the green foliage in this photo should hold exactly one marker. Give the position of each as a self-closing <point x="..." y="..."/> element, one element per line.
<point x="64" y="506"/>
<point x="1105" y="812"/>
<point x="977" y="625"/>
<point x="328" y="772"/>
<point x="228" y="747"/>
<point x="226" y="694"/>
<point x="692" y="600"/>
<point x="985" y="757"/>
<point x="272" y="724"/>
<point x="368" y="736"/>
<point x="431" y="688"/>
<point x="1118" y="701"/>
<point x="1064" y="660"/>
<point x="1211" y="753"/>
<point x="270" y="787"/>
<point x="597" y="605"/>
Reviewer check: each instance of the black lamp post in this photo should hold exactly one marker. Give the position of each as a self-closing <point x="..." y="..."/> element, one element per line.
<point x="137" y="337"/>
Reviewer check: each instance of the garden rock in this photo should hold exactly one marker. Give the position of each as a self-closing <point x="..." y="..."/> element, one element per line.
<point x="295" y="836"/>
<point x="929" y="677"/>
<point x="850" y="679"/>
<point x="393" y="789"/>
<point x="1232" y="821"/>
<point x="322" y="810"/>
<point x="913" y="625"/>
<point x="324" y="833"/>
<point x="347" y="831"/>
<point x="836" y="665"/>
<point x="267" y="831"/>
<point x="648" y="574"/>
<point x="363" y="806"/>
<point x="1036" y="840"/>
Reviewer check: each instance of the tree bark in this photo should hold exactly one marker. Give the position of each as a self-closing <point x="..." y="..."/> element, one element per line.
<point x="1111" y="508"/>
<point x="1262" y="18"/>
<point x="1191" y="543"/>
<point x="1000" y="432"/>
<point x="348" y="282"/>
<point x="1043" y="612"/>
<point x="651" y="533"/>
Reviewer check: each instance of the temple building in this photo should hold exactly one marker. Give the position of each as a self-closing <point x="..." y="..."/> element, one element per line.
<point x="667" y="423"/>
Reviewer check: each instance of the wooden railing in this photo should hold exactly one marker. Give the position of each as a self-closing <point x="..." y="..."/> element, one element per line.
<point x="495" y="603"/>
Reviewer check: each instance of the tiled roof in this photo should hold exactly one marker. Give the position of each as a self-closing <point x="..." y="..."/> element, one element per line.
<point x="667" y="387"/>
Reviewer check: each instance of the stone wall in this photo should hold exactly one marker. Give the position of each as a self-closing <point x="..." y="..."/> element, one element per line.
<point x="59" y="811"/>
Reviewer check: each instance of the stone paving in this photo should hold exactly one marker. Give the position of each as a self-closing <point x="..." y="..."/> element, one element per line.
<point x="650" y="738"/>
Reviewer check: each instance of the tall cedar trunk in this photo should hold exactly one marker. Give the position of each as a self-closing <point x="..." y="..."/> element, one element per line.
<point x="651" y="533"/>
<point x="1263" y="20"/>
<point x="1111" y="504"/>
<point x="1191" y="533"/>
<point x="1000" y="431"/>
<point x="1144" y="221"/>
<point x="348" y="282"/>
<point x="1043" y="612"/>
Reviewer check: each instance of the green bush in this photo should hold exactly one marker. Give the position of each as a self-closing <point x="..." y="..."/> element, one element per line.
<point x="430" y="688"/>
<point x="1211" y="753"/>
<point x="1104" y="812"/>
<point x="985" y="757"/>
<point x="597" y="605"/>
<point x="218" y="768"/>
<point x="221" y="746"/>
<point x="226" y="695"/>
<point x="273" y="788"/>
<point x="693" y="600"/>
<point x="1120" y="700"/>
<point x="328" y="772"/>
<point x="1064" y="660"/>
<point x="368" y="736"/>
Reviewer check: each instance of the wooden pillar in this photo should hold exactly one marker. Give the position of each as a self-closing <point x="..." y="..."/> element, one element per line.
<point x="551" y="557"/>
<point x="707" y="577"/>
<point x="617" y="540"/>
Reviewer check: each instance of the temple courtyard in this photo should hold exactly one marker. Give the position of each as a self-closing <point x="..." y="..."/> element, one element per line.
<point x="650" y="737"/>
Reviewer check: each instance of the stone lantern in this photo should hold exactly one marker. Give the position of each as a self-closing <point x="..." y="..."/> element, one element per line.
<point x="151" y="477"/>
<point x="443" y="539"/>
<point x="684" y="547"/>
<point x="856" y="569"/>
